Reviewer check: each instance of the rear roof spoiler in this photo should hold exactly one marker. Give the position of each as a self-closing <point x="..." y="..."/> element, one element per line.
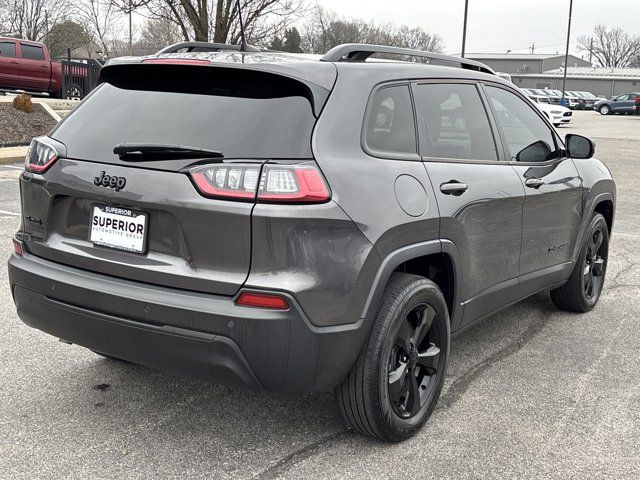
<point x="360" y="52"/>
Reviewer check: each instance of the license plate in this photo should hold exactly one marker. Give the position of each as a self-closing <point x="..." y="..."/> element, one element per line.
<point x="119" y="228"/>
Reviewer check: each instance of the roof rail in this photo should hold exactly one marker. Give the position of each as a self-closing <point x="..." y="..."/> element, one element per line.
<point x="359" y="52"/>
<point x="206" y="47"/>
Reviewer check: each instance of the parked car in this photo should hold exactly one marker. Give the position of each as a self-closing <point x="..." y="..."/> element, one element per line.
<point x="290" y="224"/>
<point x="26" y="66"/>
<point x="591" y="98"/>
<point x="557" y="114"/>
<point x="584" y="102"/>
<point x="625" y="103"/>
<point x="572" y="102"/>
<point x="546" y="93"/>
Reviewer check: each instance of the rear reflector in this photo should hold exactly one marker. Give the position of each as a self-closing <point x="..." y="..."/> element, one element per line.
<point x="262" y="300"/>
<point x="278" y="183"/>
<point x="17" y="247"/>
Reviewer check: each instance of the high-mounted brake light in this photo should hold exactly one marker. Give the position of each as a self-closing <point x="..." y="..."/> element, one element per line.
<point x="263" y="300"/>
<point x="178" y="61"/>
<point x="278" y="183"/>
<point x="40" y="156"/>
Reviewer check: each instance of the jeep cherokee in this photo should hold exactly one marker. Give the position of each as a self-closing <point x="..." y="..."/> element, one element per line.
<point x="299" y="224"/>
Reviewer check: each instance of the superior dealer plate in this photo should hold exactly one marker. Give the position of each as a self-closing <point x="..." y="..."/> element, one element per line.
<point x="119" y="228"/>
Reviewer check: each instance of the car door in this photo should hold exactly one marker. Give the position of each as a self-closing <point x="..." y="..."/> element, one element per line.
<point x="618" y="103"/>
<point x="9" y="65"/>
<point x="35" y="70"/>
<point x="553" y="204"/>
<point x="479" y="195"/>
<point x="629" y="104"/>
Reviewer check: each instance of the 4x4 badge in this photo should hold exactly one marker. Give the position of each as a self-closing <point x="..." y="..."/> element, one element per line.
<point x="110" y="181"/>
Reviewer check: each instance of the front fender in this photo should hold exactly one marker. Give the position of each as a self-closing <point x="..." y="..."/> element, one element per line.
<point x="598" y="187"/>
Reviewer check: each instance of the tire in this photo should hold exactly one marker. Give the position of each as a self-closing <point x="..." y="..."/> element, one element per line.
<point x="583" y="289"/>
<point x="393" y="388"/>
<point x="604" y="110"/>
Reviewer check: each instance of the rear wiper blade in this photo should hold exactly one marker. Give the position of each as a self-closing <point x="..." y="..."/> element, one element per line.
<point x="135" y="151"/>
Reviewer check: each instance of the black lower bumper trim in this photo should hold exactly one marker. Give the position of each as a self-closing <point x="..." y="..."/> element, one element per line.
<point x="187" y="332"/>
<point x="174" y="349"/>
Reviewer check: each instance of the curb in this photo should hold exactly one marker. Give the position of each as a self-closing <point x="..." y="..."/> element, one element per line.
<point x="12" y="155"/>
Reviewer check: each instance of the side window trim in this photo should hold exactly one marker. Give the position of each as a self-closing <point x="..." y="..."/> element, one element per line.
<point x="559" y="144"/>
<point x="383" y="154"/>
<point x="426" y="146"/>
<point x="39" y="48"/>
<point x="15" y="49"/>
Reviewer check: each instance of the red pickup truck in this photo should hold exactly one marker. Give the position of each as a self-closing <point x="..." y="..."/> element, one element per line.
<point x="25" y="65"/>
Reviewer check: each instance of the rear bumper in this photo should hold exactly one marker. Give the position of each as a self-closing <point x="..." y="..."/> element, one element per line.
<point x="190" y="333"/>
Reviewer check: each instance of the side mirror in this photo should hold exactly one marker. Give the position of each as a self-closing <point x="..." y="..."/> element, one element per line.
<point x="579" y="146"/>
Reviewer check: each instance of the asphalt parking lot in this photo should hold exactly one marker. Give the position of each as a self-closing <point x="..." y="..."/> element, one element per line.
<point x="531" y="393"/>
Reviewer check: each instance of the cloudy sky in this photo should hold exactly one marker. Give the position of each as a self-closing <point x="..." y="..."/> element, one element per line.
<point x="498" y="25"/>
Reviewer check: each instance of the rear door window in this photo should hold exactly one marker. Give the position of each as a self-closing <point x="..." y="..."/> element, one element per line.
<point x="457" y="123"/>
<point x="243" y="114"/>
<point x="390" y="124"/>
<point x="32" y="52"/>
<point x="8" y="49"/>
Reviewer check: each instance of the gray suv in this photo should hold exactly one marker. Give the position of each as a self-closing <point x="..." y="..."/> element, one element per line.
<point x="300" y="224"/>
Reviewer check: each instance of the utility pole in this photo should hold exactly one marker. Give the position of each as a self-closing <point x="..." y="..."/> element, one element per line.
<point x="566" y="55"/>
<point x="464" y="27"/>
<point x="130" y="28"/>
<point x="591" y="50"/>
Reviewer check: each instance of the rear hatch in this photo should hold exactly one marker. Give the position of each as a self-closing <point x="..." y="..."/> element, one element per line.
<point x="170" y="231"/>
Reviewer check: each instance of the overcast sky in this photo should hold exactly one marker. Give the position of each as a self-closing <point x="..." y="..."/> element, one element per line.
<point x="498" y="25"/>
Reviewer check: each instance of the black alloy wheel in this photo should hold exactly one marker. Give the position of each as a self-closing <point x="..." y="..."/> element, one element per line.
<point x="583" y="288"/>
<point x="394" y="386"/>
<point x="413" y="362"/>
<point x="594" y="262"/>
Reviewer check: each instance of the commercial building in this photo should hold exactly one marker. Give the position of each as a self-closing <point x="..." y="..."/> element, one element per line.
<point x="607" y="82"/>
<point x="524" y="63"/>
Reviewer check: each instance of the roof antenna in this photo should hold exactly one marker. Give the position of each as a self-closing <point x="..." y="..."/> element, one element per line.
<point x="243" y="41"/>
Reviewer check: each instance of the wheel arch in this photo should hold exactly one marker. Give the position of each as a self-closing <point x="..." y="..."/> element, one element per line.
<point x="436" y="260"/>
<point x="603" y="203"/>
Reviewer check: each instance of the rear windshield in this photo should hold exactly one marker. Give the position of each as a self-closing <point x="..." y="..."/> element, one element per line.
<point x="244" y="114"/>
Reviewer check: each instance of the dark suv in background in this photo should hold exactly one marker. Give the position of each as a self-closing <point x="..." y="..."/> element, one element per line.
<point x="292" y="224"/>
<point x="625" y="103"/>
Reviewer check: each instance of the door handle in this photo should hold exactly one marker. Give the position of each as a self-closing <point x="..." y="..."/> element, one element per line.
<point x="534" y="182"/>
<point x="454" y="187"/>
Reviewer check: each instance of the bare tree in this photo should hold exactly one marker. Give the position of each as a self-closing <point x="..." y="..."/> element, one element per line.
<point x="610" y="47"/>
<point x="31" y="19"/>
<point x="158" y="33"/>
<point x="325" y="30"/>
<point x="100" y="19"/>
<point x="218" y="20"/>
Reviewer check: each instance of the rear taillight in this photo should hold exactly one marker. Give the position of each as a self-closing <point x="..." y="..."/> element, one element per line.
<point x="270" y="183"/>
<point x="40" y="156"/>
<point x="231" y="181"/>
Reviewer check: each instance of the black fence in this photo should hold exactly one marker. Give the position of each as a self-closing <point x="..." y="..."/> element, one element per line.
<point x="79" y="77"/>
